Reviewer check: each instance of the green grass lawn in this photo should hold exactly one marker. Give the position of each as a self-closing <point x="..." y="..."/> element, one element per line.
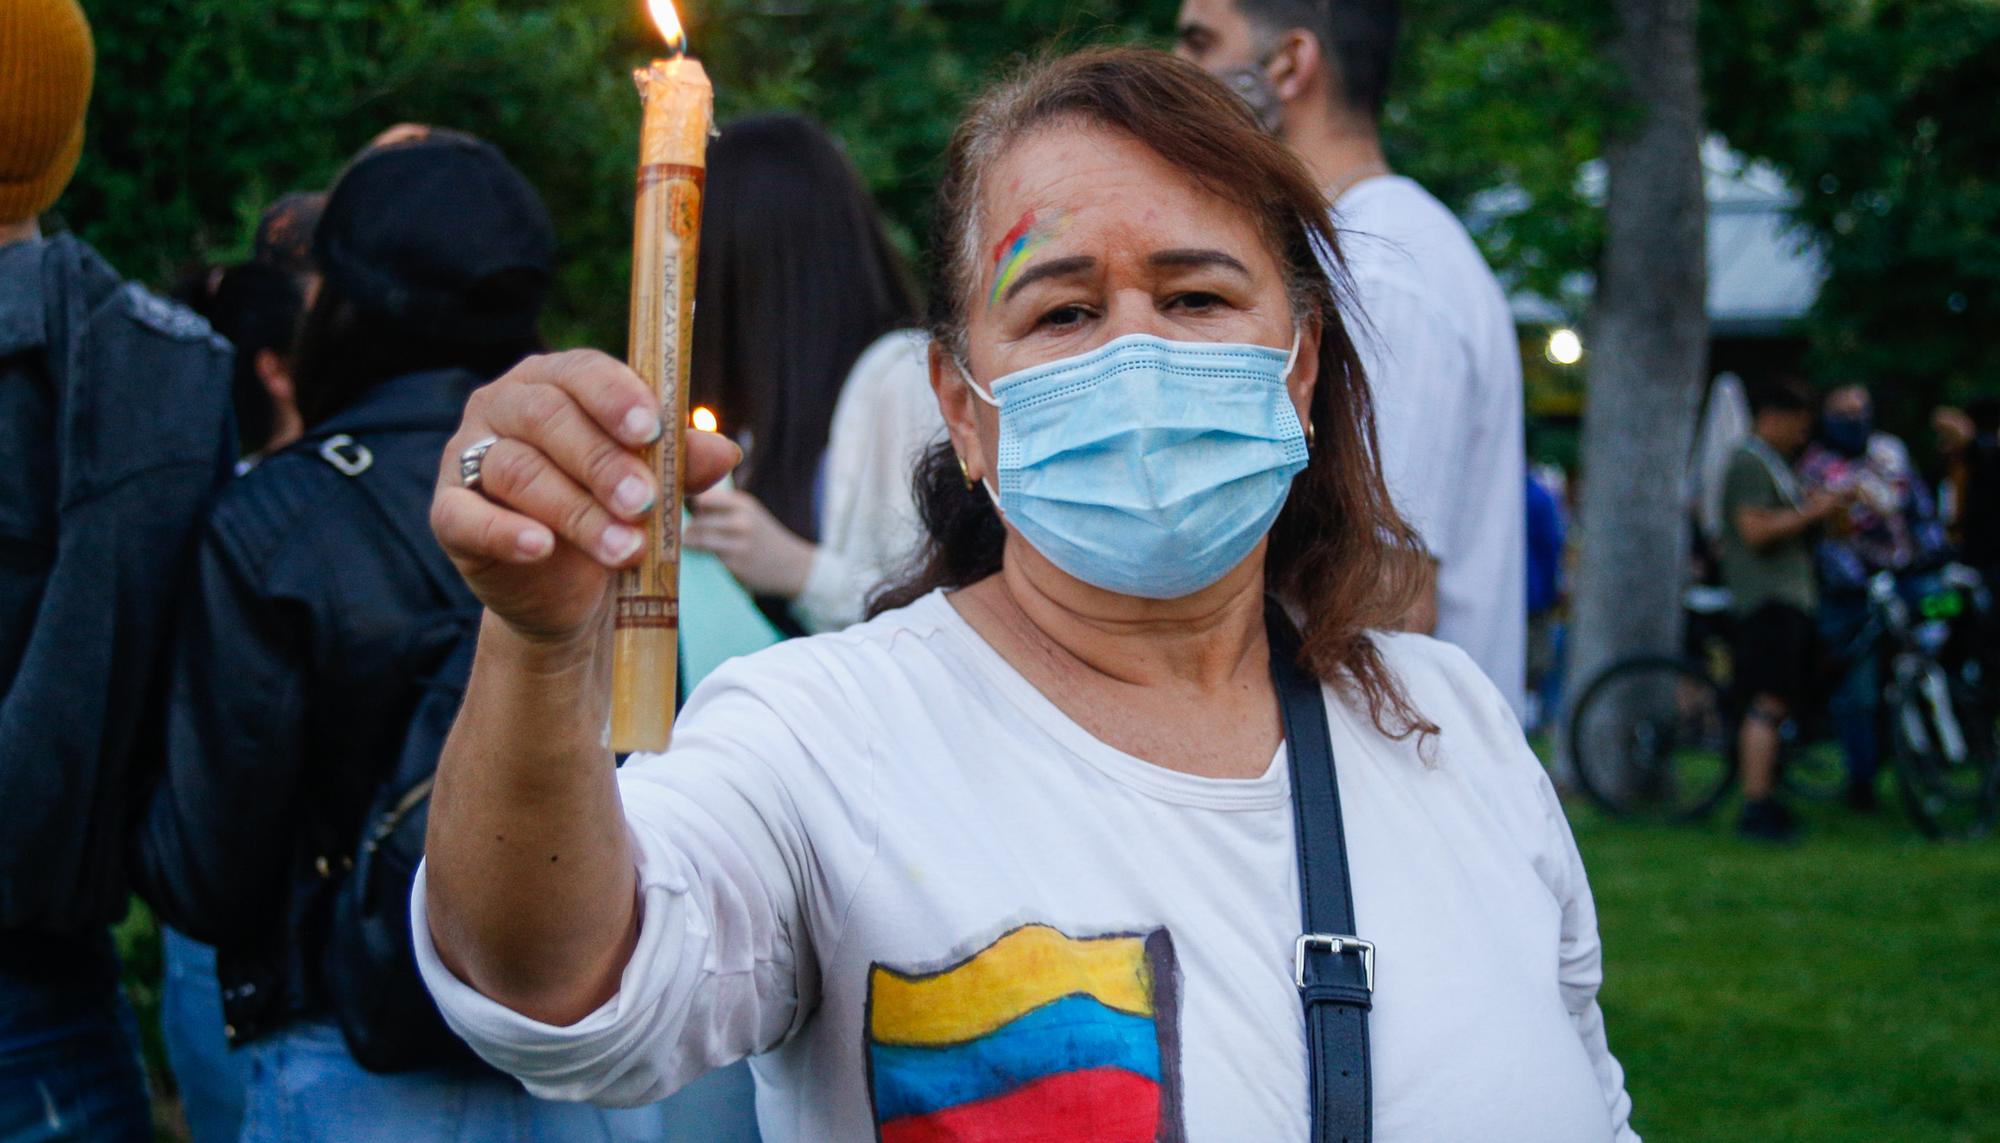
<point x="1847" y="988"/>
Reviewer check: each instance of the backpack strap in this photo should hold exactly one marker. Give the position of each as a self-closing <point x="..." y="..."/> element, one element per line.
<point x="353" y="460"/>
<point x="1333" y="969"/>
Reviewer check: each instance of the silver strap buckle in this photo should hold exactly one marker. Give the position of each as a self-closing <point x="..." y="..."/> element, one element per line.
<point x="353" y="462"/>
<point x="1338" y="946"/>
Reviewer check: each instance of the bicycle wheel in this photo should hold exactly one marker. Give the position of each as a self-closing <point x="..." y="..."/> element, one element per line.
<point x="1947" y="768"/>
<point x="1652" y="738"/>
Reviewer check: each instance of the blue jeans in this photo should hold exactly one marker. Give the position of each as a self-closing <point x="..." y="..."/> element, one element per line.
<point x="69" y="1046"/>
<point x="305" y="1088"/>
<point x="720" y="1107"/>
<point x="1856" y="702"/>
<point x="211" y="1077"/>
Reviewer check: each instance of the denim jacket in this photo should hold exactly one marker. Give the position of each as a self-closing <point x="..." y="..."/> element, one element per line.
<point x="114" y="430"/>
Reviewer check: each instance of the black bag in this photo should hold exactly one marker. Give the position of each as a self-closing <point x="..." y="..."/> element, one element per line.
<point x="385" y="1013"/>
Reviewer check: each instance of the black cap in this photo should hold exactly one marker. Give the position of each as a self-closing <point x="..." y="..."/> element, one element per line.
<point x="443" y="236"/>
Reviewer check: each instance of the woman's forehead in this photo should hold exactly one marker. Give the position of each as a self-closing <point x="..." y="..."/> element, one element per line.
<point x="1088" y="183"/>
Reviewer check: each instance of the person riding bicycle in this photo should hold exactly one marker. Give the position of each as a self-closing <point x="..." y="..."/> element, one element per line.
<point x="1767" y="563"/>
<point x="1891" y="526"/>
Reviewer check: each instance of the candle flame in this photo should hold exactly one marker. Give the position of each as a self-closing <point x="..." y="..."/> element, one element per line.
<point x="669" y="22"/>
<point x="704" y="418"/>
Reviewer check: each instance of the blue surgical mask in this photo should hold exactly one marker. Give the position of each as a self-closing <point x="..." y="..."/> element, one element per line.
<point x="1145" y="466"/>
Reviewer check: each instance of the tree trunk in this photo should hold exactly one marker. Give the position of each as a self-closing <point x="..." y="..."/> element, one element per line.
<point x="1648" y="353"/>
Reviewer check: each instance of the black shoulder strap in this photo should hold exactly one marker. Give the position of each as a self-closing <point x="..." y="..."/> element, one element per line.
<point x="352" y="459"/>
<point x="1333" y="968"/>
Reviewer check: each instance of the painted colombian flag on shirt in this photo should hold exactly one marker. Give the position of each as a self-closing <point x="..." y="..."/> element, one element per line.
<point x="1038" y="1037"/>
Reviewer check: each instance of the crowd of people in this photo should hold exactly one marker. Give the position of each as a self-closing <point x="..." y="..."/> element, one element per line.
<point x="302" y="583"/>
<point x="1812" y="506"/>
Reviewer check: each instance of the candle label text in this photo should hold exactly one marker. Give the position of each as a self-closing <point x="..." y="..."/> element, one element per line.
<point x="646" y="611"/>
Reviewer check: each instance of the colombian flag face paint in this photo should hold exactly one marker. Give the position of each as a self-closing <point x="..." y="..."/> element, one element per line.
<point x="1038" y="1036"/>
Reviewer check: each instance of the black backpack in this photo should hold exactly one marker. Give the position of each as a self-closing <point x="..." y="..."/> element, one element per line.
<point x="385" y="1013"/>
<point x="387" y="1017"/>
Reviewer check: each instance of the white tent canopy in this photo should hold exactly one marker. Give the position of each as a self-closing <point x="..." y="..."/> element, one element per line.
<point x="1764" y="270"/>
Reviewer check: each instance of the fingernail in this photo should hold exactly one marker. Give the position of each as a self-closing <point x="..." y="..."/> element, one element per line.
<point x="633" y="495"/>
<point x="533" y="542"/>
<point x="618" y="543"/>
<point x="642" y="426"/>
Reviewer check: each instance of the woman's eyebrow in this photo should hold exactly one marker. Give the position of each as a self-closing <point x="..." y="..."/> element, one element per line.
<point x="1189" y="258"/>
<point x="1053" y="268"/>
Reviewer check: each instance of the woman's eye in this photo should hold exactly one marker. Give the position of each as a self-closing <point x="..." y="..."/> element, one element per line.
<point x="1197" y="300"/>
<point x="1063" y="316"/>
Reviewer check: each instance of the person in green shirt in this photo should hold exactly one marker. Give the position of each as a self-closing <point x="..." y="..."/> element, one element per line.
<point x="1766" y="554"/>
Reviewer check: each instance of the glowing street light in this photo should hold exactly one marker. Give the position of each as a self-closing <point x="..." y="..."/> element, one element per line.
<point x="1565" y="347"/>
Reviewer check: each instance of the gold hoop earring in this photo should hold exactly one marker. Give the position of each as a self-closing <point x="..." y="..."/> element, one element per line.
<point x="1312" y="437"/>
<point x="965" y="473"/>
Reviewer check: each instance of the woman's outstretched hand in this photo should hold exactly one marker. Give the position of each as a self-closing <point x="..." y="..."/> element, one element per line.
<point x="561" y="491"/>
<point x="766" y="557"/>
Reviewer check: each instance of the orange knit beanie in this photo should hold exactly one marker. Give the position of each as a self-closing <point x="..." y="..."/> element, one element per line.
<point x="46" y="60"/>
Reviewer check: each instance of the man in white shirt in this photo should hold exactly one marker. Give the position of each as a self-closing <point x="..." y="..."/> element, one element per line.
<point x="1433" y="326"/>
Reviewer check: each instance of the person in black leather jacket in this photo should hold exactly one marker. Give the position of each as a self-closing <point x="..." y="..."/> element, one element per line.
<point x="321" y="603"/>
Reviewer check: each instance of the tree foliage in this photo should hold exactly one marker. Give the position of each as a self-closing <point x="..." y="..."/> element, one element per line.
<point x="206" y="110"/>
<point x="1881" y="112"/>
<point x="1515" y="96"/>
<point x="1878" y="109"/>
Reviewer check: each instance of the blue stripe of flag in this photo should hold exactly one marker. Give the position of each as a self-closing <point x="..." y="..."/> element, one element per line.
<point x="1070" y="1034"/>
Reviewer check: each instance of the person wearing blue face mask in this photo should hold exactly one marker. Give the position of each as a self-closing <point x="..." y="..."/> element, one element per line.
<point x="1890" y="524"/>
<point x="1028" y="853"/>
<point x="1208" y="430"/>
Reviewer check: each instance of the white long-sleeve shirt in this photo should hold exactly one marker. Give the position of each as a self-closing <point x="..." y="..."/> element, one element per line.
<point x="887" y="862"/>
<point x="885" y="418"/>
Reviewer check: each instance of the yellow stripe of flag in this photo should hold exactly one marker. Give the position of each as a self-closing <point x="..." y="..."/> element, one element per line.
<point x="1018" y="973"/>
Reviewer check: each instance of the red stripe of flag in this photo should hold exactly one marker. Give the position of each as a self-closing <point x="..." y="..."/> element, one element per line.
<point x="1097" y="1105"/>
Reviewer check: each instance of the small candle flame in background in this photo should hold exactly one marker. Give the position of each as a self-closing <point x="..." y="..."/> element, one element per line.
<point x="669" y="22"/>
<point x="703" y="418"/>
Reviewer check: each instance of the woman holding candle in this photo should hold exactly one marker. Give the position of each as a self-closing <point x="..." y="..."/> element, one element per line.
<point x="802" y="342"/>
<point x="1015" y="860"/>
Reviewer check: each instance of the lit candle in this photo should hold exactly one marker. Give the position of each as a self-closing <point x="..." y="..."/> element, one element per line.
<point x="673" y="162"/>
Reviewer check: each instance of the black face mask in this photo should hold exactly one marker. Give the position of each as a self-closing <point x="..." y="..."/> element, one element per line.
<point x="1847" y="436"/>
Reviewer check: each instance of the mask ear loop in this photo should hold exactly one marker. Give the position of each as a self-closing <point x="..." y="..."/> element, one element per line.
<point x="1291" y="360"/>
<point x="988" y="398"/>
<point x="983" y="394"/>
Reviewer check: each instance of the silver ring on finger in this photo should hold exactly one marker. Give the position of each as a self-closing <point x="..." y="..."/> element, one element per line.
<point x="470" y="460"/>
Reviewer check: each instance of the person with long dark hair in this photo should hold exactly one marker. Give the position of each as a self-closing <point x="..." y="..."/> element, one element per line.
<point x="320" y="611"/>
<point x="1028" y="855"/>
<point x="802" y="347"/>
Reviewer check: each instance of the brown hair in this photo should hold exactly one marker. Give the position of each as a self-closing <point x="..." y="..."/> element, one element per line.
<point x="1338" y="550"/>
